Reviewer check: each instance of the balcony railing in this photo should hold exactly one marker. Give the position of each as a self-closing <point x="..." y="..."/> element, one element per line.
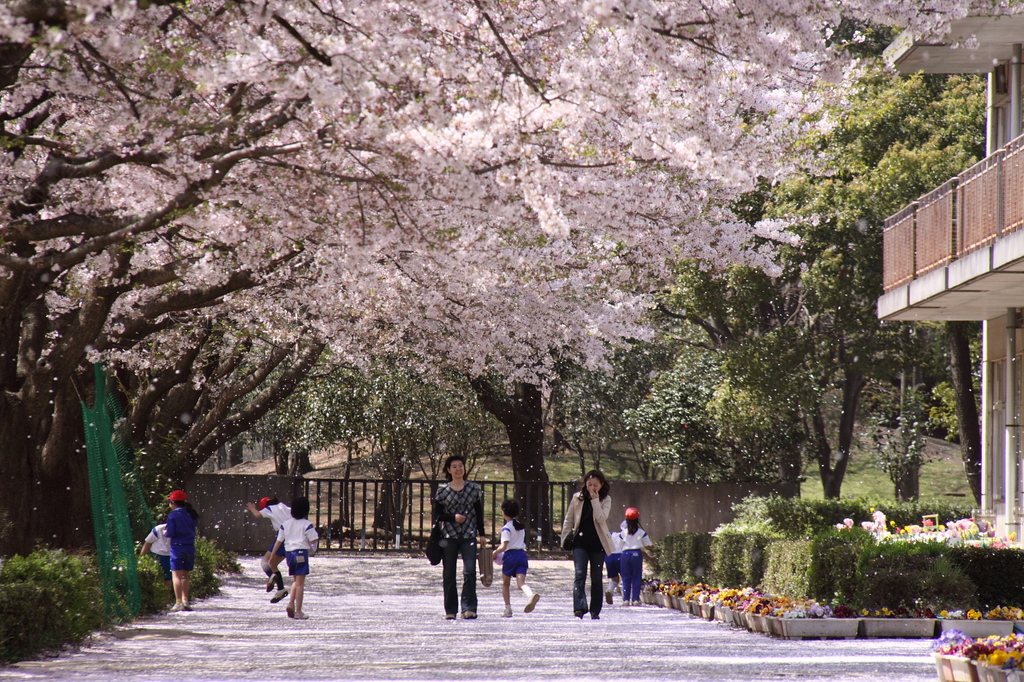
<point x="965" y="213"/>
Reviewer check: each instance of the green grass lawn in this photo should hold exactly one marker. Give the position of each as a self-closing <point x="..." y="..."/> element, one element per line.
<point x="942" y="478"/>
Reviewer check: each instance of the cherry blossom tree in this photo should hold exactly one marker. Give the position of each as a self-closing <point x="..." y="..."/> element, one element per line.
<point x="202" y="193"/>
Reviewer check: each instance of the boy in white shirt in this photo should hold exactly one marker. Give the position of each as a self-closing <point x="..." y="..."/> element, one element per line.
<point x="271" y="508"/>
<point x="160" y="546"/>
<point x="300" y="540"/>
<point x="514" y="561"/>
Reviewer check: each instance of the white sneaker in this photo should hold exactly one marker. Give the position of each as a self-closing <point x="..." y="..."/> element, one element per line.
<point x="507" y="613"/>
<point x="185" y="606"/>
<point x="278" y="596"/>
<point x="532" y="603"/>
<point x="178" y="606"/>
<point x="637" y="603"/>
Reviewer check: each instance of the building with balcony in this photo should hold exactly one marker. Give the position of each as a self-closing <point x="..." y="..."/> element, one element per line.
<point x="957" y="253"/>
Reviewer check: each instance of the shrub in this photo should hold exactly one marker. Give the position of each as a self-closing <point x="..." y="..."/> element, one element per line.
<point x="47" y="599"/>
<point x="786" y="572"/>
<point x="912" y="576"/>
<point x="832" y="576"/>
<point x="155" y="594"/>
<point x="797" y="518"/>
<point x="738" y="558"/>
<point x="682" y="556"/>
<point x="210" y="560"/>
<point x="76" y="581"/>
<point x="28" y="612"/>
<point x="998" y="574"/>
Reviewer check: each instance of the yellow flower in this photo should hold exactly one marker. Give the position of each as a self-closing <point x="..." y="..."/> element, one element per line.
<point x="943" y="614"/>
<point x="973" y="615"/>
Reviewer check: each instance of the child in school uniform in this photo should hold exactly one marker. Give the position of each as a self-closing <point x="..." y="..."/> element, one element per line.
<point x="159" y="545"/>
<point x="299" y="539"/>
<point x="514" y="561"/>
<point x="272" y="508"/>
<point x="634" y="540"/>
<point x="612" y="563"/>
<point x="180" y="530"/>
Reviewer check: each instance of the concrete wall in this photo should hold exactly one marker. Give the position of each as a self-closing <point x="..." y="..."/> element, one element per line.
<point x="220" y="501"/>
<point x="665" y="508"/>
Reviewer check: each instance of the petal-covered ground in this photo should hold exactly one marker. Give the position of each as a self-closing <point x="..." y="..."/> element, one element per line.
<point x="381" y="618"/>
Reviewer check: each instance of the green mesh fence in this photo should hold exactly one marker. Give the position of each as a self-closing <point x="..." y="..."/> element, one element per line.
<point x="119" y="512"/>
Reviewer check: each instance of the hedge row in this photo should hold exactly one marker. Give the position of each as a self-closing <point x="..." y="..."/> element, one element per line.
<point x="51" y="598"/>
<point x="804" y="556"/>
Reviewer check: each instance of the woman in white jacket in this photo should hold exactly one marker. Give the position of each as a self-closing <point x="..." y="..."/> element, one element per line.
<point x="585" y="532"/>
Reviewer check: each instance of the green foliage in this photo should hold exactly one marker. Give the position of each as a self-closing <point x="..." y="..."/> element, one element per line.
<point x="682" y="556"/>
<point x="786" y="571"/>
<point x="832" y="577"/>
<point x="998" y="574"/>
<point x="943" y="415"/>
<point x="738" y="558"/>
<point x="47" y="598"/>
<point x="898" y="439"/>
<point x="804" y="518"/>
<point x="156" y="595"/>
<point x="912" y="576"/>
<point x="28" y="612"/>
<point x="209" y="559"/>
<point x="590" y="408"/>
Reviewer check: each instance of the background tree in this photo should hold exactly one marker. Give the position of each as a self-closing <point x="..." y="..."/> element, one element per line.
<point x="476" y="185"/>
<point x="808" y="340"/>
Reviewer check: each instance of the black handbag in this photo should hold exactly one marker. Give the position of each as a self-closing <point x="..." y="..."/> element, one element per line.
<point x="567" y="542"/>
<point x="434" y="551"/>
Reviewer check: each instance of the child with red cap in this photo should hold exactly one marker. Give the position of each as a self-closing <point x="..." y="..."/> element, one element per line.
<point x="278" y="513"/>
<point x="181" y="531"/>
<point x="634" y="539"/>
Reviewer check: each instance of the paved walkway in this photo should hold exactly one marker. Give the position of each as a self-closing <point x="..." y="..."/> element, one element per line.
<point x="381" y="618"/>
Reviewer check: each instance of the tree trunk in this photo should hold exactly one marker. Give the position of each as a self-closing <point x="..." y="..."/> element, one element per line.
<point x="908" y="485"/>
<point x="522" y="416"/>
<point x="968" y="421"/>
<point x="833" y="469"/>
<point x="45" y="476"/>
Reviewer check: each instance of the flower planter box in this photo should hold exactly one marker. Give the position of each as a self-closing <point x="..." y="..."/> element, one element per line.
<point x="660" y="599"/>
<point x="990" y="673"/>
<point x="916" y="628"/>
<point x="743" y="620"/>
<point x="723" y="614"/>
<point x="758" y="623"/>
<point x="977" y="629"/>
<point x="774" y="626"/>
<point x="955" y="669"/>
<point x="820" y="628"/>
<point x="694" y="608"/>
<point x="707" y="611"/>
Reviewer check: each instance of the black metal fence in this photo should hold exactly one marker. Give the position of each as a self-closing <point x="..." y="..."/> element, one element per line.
<point x="367" y="514"/>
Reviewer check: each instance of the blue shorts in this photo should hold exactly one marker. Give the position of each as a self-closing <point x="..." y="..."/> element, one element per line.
<point x="280" y="550"/>
<point x="514" y="562"/>
<point x="611" y="562"/>
<point x="298" y="562"/>
<point x="183" y="557"/>
<point x="165" y="563"/>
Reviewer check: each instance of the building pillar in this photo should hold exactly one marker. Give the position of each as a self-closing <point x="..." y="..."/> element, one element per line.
<point x="1011" y="454"/>
<point x="1015" y="92"/>
<point x="991" y="115"/>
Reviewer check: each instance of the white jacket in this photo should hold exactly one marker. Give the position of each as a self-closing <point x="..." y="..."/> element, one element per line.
<point x="601" y="510"/>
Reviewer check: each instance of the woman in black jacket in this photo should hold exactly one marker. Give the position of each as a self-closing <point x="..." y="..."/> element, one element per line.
<point x="459" y="504"/>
